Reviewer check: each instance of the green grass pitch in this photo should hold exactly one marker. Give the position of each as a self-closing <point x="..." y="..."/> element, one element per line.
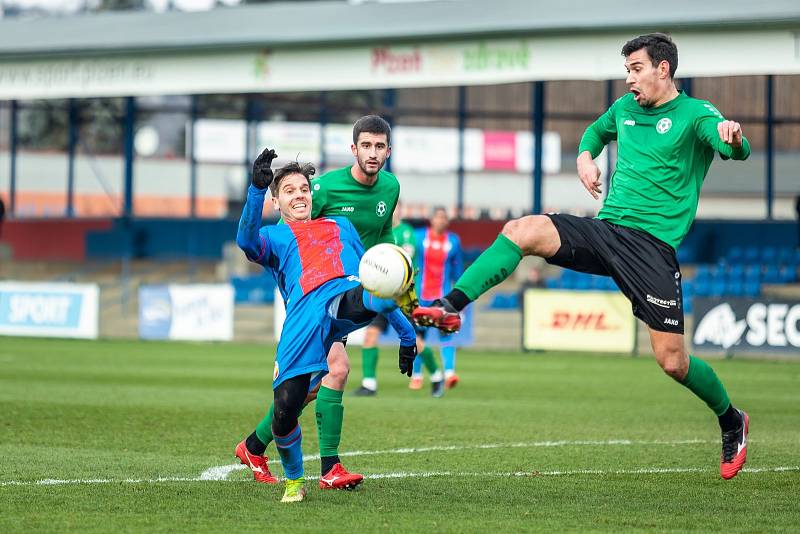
<point x="552" y="442"/>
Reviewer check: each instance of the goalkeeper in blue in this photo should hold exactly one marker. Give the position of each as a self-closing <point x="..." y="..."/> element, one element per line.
<point x="315" y="264"/>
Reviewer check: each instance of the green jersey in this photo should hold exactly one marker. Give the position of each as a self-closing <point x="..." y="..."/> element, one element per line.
<point x="405" y="238"/>
<point x="663" y="155"/>
<point x="369" y="207"/>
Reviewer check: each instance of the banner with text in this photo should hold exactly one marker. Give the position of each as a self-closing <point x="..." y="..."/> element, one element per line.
<point x="49" y="309"/>
<point x="593" y="321"/>
<point x="572" y="56"/>
<point x="746" y="325"/>
<point x="200" y="312"/>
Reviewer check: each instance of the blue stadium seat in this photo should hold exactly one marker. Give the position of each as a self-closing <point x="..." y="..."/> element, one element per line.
<point x="771" y="275"/>
<point x="735" y="288"/>
<point x="751" y="255"/>
<point x="736" y="272"/>
<point x="786" y="256"/>
<point x="598" y="282"/>
<point x="718" y="288"/>
<point x="752" y="273"/>
<point x="582" y="282"/>
<point x="752" y="289"/>
<point x="702" y="287"/>
<point x="688" y="303"/>
<point x="788" y="274"/>
<point x="769" y="255"/>
<point x="688" y="287"/>
<point x="735" y="255"/>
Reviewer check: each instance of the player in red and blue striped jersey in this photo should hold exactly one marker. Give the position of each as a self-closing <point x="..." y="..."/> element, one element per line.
<point x="315" y="264"/>
<point x="441" y="263"/>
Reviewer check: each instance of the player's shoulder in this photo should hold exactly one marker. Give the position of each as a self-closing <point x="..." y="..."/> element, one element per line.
<point x="701" y="108"/>
<point x="330" y="177"/>
<point x="388" y="180"/>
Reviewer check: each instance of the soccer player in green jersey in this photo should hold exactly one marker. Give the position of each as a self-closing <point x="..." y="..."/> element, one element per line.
<point x="367" y="196"/>
<point x="666" y="142"/>
<point x="404" y="237"/>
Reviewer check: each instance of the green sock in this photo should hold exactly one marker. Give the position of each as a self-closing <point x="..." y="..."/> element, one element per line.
<point x="369" y="360"/>
<point x="330" y="413"/>
<point x="703" y="382"/>
<point x="264" y="428"/>
<point x="429" y="360"/>
<point x="494" y="265"/>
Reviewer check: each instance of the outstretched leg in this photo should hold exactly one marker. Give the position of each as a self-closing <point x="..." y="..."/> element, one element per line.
<point x="533" y="235"/>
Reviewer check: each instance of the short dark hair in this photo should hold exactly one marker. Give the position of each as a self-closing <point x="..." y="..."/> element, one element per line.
<point x="659" y="46"/>
<point x="293" y="167"/>
<point x="372" y="124"/>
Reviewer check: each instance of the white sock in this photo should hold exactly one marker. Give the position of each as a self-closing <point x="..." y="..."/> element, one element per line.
<point x="416" y="376"/>
<point x="437" y="376"/>
<point x="448" y="373"/>
<point x="370" y="383"/>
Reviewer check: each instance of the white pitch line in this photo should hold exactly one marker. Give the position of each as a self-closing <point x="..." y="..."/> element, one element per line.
<point x="424" y="474"/>
<point x="221" y="472"/>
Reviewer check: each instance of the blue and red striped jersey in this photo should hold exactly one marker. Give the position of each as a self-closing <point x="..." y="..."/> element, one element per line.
<point x="440" y="261"/>
<point x="301" y="255"/>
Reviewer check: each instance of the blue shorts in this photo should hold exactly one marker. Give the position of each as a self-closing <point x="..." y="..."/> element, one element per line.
<point x="309" y="331"/>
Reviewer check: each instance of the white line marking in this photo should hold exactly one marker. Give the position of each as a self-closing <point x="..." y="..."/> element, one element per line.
<point x="221" y="472"/>
<point x="424" y="474"/>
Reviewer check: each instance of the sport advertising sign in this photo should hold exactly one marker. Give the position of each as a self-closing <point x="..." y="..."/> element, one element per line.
<point x="594" y="321"/>
<point x="746" y="325"/>
<point x="200" y="312"/>
<point x="49" y="309"/>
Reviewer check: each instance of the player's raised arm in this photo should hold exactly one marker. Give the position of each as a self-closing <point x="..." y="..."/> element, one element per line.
<point x="597" y="135"/>
<point x="248" y="238"/>
<point x="722" y="135"/>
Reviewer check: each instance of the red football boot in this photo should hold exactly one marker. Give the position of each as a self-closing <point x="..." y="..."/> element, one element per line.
<point x="734" y="449"/>
<point x="439" y="315"/>
<point x="339" y="478"/>
<point x="451" y="381"/>
<point x="257" y="464"/>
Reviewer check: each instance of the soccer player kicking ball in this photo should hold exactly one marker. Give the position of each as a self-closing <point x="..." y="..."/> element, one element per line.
<point x="666" y="142"/>
<point x="315" y="263"/>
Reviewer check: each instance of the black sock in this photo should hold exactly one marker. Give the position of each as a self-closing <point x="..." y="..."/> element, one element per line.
<point x="328" y="462"/>
<point x="254" y="445"/>
<point x="458" y="299"/>
<point x="730" y="420"/>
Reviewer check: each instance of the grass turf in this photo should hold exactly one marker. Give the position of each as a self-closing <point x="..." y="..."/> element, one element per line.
<point x="115" y="411"/>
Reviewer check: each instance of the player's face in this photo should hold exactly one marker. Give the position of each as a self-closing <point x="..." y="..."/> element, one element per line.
<point x="294" y="198"/>
<point x="439" y="221"/>
<point x="371" y="152"/>
<point x="645" y="81"/>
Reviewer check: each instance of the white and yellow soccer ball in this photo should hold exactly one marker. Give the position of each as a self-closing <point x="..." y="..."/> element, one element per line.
<point x="386" y="271"/>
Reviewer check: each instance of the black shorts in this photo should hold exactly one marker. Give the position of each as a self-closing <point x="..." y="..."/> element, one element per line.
<point x="644" y="267"/>
<point x="380" y="322"/>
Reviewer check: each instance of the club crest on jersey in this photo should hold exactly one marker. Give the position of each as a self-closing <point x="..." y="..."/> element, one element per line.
<point x="663" y="125"/>
<point x="380" y="208"/>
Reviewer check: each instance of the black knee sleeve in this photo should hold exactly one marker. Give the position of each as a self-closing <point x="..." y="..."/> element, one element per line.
<point x="289" y="398"/>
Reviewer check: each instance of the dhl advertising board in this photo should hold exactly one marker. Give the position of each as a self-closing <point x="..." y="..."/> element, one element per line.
<point x="594" y="321"/>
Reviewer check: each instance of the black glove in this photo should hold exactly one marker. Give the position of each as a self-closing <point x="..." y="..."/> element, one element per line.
<point x="407" y="355"/>
<point x="262" y="173"/>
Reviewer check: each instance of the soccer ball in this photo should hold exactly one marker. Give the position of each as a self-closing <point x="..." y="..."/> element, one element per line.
<point x="385" y="271"/>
